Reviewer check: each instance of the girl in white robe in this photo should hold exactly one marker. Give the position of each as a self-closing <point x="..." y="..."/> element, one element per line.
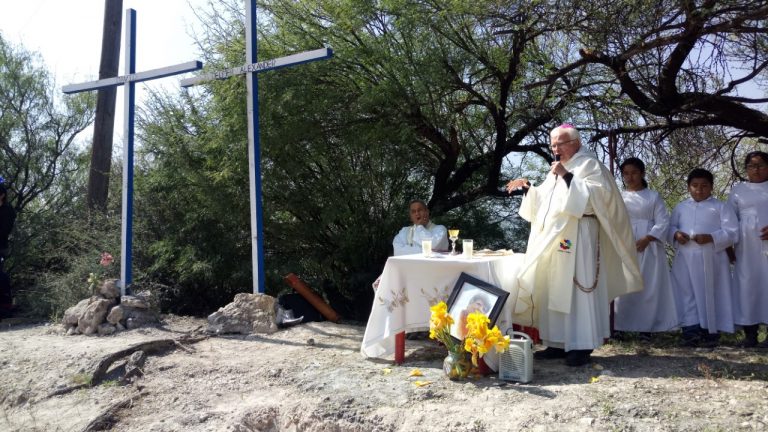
<point x="653" y="308"/>
<point x="750" y="201"/>
<point x="702" y="228"/>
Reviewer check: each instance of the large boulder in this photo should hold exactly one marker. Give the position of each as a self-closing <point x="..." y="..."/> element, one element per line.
<point x="248" y="313"/>
<point x="93" y="315"/>
<point x="72" y="315"/>
<point x="116" y="314"/>
<point x="132" y="317"/>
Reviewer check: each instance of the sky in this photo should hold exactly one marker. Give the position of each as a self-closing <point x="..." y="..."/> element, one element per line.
<point x="67" y="34"/>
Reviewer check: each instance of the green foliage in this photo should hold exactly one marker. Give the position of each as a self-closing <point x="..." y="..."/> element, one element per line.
<point x="54" y="254"/>
<point x="193" y="177"/>
<point x="37" y="135"/>
<point x="53" y="248"/>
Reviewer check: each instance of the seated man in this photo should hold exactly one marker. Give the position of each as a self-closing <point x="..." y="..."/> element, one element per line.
<point x="408" y="240"/>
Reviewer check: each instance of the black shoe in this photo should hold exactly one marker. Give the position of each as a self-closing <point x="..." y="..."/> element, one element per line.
<point x="549" y="353"/>
<point x="749" y="343"/>
<point x="620" y="336"/>
<point x="691" y="342"/>
<point x="645" y="336"/>
<point x="578" y="357"/>
<point x="750" y="336"/>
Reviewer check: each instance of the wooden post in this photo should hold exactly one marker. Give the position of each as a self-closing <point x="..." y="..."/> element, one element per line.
<point x="309" y="295"/>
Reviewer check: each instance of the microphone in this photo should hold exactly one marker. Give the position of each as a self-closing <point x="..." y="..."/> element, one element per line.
<point x="557" y="159"/>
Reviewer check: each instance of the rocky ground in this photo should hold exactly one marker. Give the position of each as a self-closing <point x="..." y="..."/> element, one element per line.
<point x="311" y="377"/>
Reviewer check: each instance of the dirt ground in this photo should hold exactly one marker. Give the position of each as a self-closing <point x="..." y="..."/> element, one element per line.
<point x="312" y="377"/>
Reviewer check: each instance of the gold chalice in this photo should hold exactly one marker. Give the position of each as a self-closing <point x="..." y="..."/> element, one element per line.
<point x="453" y="235"/>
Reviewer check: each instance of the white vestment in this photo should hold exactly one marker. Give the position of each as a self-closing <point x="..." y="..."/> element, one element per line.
<point x="568" y="225"/>
<point x="750" y="278"/>
<point x="701" y="276"/>
<point x="653" y="309"/>
<point x="408" y="240"/>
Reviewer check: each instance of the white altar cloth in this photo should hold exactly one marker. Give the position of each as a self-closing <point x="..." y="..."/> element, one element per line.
<point x="410" y="284"/>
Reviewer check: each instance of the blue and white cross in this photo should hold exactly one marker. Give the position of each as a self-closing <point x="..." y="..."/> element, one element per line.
<point x="129" y="81"/>
<point x="251" y="69"/>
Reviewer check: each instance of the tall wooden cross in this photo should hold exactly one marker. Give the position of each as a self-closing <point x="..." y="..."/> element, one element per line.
<point x="251" y="69"/>
<point x="129" y="81"/>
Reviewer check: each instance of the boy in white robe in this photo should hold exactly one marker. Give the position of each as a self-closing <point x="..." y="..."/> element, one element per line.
<point x="750" y="278"/>
<point x="580" y="254"/>
<point x="702" y="228"/>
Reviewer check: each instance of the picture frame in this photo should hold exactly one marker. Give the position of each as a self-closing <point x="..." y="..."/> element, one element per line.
<point x="472" y="294"/>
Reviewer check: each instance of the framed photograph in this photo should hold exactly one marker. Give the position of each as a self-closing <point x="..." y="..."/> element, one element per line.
<point x="470" y="294"/>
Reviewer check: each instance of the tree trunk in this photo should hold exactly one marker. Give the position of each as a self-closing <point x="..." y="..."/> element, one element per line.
<point x="104" y="125"/>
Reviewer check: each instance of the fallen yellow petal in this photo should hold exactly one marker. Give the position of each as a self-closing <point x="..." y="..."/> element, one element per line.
<point x="386" y="371"/>
<point x="415" y="372"/>
<point x="422" y="383"/>
<point x="594" y="380"/>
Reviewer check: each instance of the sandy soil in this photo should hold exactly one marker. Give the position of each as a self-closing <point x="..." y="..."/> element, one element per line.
<point x="312" y="378"/>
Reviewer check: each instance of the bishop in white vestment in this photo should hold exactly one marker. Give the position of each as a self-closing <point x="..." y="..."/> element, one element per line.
<point x="580" y="253"/>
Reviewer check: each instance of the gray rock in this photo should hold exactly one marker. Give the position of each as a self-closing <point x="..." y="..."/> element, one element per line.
<point x="73" y="314"/>
<point x="248" y="313"/>
<point x="134" y="365"/>
<point x="106" y="329"/>
<point x="93" y="315"/>
<point x="134" y="302"/>
<point x="72" y="331"/>
<point x="135" y="318"/>
<point x="109" y="289"/>
<point x="116" y="314"/>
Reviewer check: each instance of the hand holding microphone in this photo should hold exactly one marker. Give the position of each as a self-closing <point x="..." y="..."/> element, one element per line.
<point x="555" y="165"/>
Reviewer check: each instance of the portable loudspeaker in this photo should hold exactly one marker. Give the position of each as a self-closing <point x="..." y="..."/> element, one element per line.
<point x="516" y="364"/>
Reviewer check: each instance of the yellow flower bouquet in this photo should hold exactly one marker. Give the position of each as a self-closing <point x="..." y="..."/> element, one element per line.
<point x="463" y="355"/>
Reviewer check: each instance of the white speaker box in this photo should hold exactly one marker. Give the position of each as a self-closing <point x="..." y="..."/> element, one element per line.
<point x="516" y="364"/>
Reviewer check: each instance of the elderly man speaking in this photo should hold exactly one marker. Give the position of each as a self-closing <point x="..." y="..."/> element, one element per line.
<point x="580" y="252"/>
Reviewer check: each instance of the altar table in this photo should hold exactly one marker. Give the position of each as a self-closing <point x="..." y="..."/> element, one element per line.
<point x="410" y="284"/>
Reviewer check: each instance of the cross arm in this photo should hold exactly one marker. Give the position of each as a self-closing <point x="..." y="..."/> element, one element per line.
<point x="281" y="62"/>
<point x="137" y="77"/>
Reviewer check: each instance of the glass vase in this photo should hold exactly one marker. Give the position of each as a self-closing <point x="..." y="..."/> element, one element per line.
<point x="457" y="365"/>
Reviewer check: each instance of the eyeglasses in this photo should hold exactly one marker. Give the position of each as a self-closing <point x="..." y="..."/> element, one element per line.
<point x="560" y="144"/>
<point x="756" y="167"/>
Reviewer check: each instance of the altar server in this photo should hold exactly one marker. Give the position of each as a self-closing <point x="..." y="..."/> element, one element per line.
<point x="653" y="308"/>
<point x="702" y="227"/>
<point x="750" y="201"/>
